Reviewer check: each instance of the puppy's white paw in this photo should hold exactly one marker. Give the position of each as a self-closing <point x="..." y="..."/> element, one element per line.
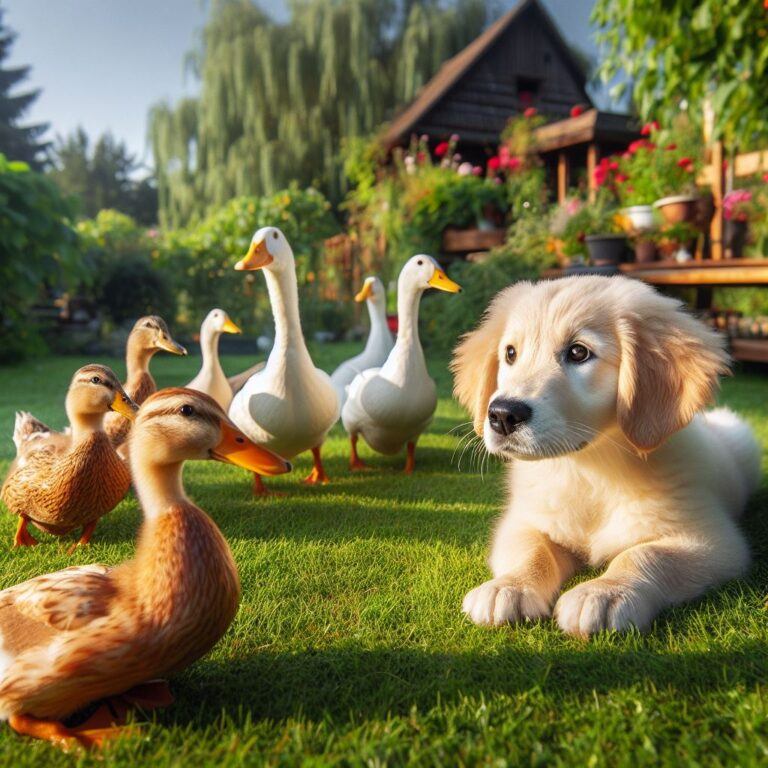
<point x="501" y="601"/>
<point x="602" y="604"/>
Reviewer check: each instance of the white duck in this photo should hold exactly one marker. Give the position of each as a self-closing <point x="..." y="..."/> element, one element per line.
<point x="392" y="405"/>
<point x="380" y="341"/>
<point x="290" y="405"/>
<point x="211" y="379"/>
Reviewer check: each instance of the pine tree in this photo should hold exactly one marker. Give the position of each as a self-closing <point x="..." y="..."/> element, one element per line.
<point x="17" y="142"/>
<point x="277" y="100"/>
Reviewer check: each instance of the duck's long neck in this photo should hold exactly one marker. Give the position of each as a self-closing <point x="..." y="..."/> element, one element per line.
<point x="159" y="487"/>
<point x="84" y="425"/>
<point x="377" y="313"/>
<point x="284" y="298"/>
<point x="209" y="349"/>
<point x="137" y="358"/>
<point x="408" y="299"/>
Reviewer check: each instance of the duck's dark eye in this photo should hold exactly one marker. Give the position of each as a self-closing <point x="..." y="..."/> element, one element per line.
<point x="186" y="410"/>
<point x="95" y="380"/>
<point x="578" y="353"/>
<point x="148" y="325"/>
<point x="274" y="234"/>
<point x="420" y="262"/>
<point x="510" y="354"/>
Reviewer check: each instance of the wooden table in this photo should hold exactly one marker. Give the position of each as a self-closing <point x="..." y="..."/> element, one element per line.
<point x="704" y="276"/>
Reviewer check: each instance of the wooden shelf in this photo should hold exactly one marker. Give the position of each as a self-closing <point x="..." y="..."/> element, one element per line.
<point x="750" y="350"/>
<point x="737" y="272"/>
<point x="470" y="240"/>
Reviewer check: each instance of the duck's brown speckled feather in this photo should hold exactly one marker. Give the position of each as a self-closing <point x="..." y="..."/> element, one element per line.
<point x="94" y="631"/>
<point x="61" y="486"/>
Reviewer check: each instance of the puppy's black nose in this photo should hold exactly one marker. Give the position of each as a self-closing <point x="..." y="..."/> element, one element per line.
<point x="505" y="416"/>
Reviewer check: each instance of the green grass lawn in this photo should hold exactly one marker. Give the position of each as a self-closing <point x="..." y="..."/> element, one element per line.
<point x="350" y="647"/>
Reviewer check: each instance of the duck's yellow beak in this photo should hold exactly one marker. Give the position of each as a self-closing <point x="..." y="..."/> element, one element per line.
<point x="366" y="292"/>
<point x="235" y="448"/>
<point x="123" y="405"/>
<point x="169" y="345"/>
<point x="442" y="282"/>
<point x="230" y="327"/>
<point x="257" y="257"/>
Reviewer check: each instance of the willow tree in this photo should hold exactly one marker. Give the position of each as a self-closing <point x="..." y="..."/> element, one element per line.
<point x="276" y="100"/>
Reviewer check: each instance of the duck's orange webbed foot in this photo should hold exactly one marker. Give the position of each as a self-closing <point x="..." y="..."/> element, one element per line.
<point x="259" y="489"/>
<point x="23" y="537"/>
<point x="317" y="476"/>
<point x="60" y="736"/>
<point x="85" y="537"/>
<point x="356" y="464"/>
<point x="410" y="461"/>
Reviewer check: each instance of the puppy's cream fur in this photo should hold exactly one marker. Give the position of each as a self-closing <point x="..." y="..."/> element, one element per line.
<point x="618" y="464"/>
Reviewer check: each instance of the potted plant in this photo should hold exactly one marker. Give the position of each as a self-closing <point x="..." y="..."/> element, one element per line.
<point x="677" y="241"/>
<point x="604" y="236"/>
<point x="644" y="244"/>
<point x="738" y="210"/>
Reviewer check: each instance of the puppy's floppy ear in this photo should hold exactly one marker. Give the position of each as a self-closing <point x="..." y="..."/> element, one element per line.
<point x="670" y="364"/>
<point x="475" y="363"/>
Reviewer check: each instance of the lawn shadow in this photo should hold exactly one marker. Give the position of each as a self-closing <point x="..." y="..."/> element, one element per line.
<point x="360" y="684"/>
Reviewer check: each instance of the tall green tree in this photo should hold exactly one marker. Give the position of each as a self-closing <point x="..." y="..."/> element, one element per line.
<point x="17" y="141"/>
<point x="102" y="176"/>
<point x="277" y="100"/>
<point x="700" y="51"/>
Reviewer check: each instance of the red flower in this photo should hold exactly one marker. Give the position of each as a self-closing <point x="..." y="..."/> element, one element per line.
<point x="530" y="112"/>
<point x="640" y="144"/>
<point x="441" y="148"/>
<point x="685" y="162"/>
<point x="765" y="175"/>
<point x="514" y="163"/>
<point x="577" y="109"/>
<point x="494" y="163"/>
<point x="671" y="147"/>
<point x="621" y="178"/>
<point x="649" y="128"/>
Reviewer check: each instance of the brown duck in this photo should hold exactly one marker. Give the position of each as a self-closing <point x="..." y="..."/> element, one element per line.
<point x="61" y="481"/>
<point x="149" y="335"/>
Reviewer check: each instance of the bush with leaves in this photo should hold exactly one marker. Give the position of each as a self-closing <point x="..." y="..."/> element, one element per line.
<point x="38" y="247"/>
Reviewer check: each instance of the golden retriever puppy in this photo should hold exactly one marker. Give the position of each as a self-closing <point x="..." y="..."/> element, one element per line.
<point x="593" y="389"/>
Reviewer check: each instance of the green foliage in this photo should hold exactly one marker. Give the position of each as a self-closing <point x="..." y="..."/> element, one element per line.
<point x="522" y="257"/>
<point x="38" y="251"/>
<point x="199" y="260"/>
<point x="17" y="142"/>
<point x="700" y="51"/>
<point x="278" y="100"/>
<point x="101" y="177"/>
<point x="124" y="282"/>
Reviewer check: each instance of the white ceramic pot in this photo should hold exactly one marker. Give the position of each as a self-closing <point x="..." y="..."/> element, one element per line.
<point x="640" y="217"/>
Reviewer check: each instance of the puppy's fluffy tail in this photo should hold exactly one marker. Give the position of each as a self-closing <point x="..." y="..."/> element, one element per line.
<point x="740" y="442"/>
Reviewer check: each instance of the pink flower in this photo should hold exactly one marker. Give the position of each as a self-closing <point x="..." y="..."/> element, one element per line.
<point x="494" y="163"/>
<point x="530" y="112"/>
<point x="765" y="177"/>
<point x="577" y="110"/>
<point x="455" y="138"/>
<point x="441" y="148"/>
<point x="649" y="128"/>
<point x="477" y="170"/>
<point x="514" y="163"/>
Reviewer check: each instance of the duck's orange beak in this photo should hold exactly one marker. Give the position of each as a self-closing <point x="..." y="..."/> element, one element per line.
<point x="366" y="292"/>
<point x="442" y="282"/>
<point x="235" y="448"/>
<point x="257" y="257"/>
<point x="230" y="327"/>
<point x="123" y="405"/>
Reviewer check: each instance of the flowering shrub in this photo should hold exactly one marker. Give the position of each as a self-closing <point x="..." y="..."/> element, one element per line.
<point x="739" y="205"/>
<point x="663" y="162"/>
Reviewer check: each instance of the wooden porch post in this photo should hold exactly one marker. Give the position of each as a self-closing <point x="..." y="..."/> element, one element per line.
<point x="716" y="230"/>
<point x="562" y="177"/>
<point x="591" y="166"/>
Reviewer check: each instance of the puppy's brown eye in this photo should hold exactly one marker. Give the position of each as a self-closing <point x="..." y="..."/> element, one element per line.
<point x="578" y="353"/>
<point x="510" y="355"/>
<point x="186" y="410"/>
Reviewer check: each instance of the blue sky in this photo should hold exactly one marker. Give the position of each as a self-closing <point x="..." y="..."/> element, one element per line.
<point x="103" y="63"/>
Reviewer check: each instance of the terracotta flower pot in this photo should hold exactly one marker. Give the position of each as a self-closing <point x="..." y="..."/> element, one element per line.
<point x="645" y="251"/>
<point x="677" y="209"/>
<point x="606" y="250"/>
